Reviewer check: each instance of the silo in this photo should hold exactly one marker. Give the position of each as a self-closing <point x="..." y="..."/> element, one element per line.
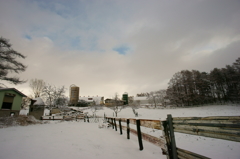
<point x="74" y="94"/>
<point x="125" y="98"/>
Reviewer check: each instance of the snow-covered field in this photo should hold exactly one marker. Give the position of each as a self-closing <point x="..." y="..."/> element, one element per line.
<point x="85" y="140"/>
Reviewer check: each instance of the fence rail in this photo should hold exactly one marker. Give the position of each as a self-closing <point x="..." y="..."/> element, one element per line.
<point x="184" y="154"/>
<point x="227" y="128"/>
<point x="220" y="127"/>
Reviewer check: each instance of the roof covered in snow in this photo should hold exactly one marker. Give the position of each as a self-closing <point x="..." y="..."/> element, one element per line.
<point x="140" y="98"/>
<point x="39" y="101"/>
<point x="13" y="89"/>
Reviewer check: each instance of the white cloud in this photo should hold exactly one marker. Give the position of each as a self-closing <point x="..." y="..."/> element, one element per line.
<point x="72" y="43"/>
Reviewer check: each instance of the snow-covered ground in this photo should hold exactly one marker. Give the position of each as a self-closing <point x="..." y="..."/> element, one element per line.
<point x="201" y="111"/>
<point x="85" y="140"/>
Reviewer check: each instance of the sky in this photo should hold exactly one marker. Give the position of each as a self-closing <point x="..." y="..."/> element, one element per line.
<point x="107" y="47"/>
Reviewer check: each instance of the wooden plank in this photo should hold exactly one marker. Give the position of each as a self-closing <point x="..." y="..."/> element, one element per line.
<point x="229" y="131"/>
<point x="133" y="131"/>
<point x="208" y="121"/>
<point x="214" y="123"/>
<point x="181" y="157"/>
<point x="186" y="118"/>
<point x="208" y="118"/>
<point x="124" y="120"/>
<point x="221" y="118"/>
<point x="212" y="135"/>
<point x="154" y="124"/>
<point x="116" y="119"/>
<point x="189" y="155"/>
<point x="132" y="121"/>
<point x="160" y="142"/>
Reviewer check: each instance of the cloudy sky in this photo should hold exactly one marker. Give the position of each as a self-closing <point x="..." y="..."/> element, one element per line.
<point x="109" y="46"/>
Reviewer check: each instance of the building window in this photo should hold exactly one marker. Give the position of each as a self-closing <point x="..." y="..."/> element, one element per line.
<point x="7" y="101"/>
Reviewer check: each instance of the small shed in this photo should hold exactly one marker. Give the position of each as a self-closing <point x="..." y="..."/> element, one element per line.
<point x="37" y="108"/>
<point x="10" y="101"/>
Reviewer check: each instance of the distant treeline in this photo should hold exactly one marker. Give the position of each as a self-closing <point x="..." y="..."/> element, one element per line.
<point x="196" y="88"/>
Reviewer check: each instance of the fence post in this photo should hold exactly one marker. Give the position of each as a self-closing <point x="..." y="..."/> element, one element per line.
<point x="139" y="135"/>
<point x="115" y="124"/>
<point x="112" y="123"/>
<point x="120" y="126"/>
<point x="172" y="137"/>
<point x="167" y="141"/>
<point x="128" y="129"/>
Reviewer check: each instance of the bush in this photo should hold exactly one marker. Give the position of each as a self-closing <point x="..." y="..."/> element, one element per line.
<point x="20" y="120"/>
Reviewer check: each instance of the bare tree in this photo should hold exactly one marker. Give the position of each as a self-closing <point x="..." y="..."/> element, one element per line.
<point x="161" y="94"/>
<point x="157" y="97"/>
<point x="135" y="106"/>
<point x="94" y="107"/>
<point x="62" y="101"/>
<point x="117" y="105"/>
<point x="37" y="86"/>
<point x="53" y="95"/>
<point x="9" y="64"/>
<point x="138" y="102"/>
<point x="26" y="101"/>
<point x="152" y="98"/>
<point x="130" y="100"/>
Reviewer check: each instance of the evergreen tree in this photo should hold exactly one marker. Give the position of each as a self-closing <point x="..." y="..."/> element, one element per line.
<point x="9" y="63"/>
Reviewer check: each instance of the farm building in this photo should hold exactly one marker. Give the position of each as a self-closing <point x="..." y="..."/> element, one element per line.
<point x="10" y="101"/>
<point x="91" y="100"/>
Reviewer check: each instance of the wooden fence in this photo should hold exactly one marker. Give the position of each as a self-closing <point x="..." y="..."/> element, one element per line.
<point x="64" y="117"/>
<point x="93" y="119"/>
<point x="220" y="127"/>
